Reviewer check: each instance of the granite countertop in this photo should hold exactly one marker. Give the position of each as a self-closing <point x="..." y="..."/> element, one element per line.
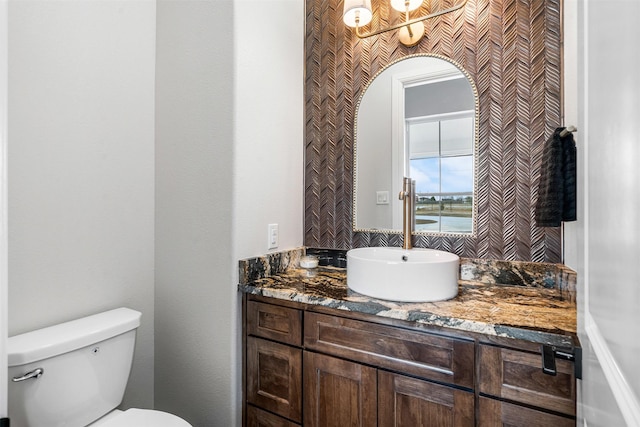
<point x="539" y="313"/>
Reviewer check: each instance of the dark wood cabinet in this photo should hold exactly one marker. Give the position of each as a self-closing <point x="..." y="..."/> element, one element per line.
<point x="408" y="402"/>
<point x="334" y="368"/>
<point x="496" y="413"/>
<point x="256" y="417"/>
<point x="344" y="393"/>
<point x="273" y="363"/>
<point x="434" y="357"/>
<point x="274" y="381"/>
<point x="273" y="322"/>
<point x="338" y="392"/>
<point x="517" y="376"/>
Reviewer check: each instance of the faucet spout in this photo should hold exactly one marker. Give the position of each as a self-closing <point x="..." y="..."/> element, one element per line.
<point x="407" y="195"/>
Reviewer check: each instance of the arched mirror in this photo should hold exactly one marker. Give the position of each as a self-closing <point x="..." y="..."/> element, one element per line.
<point x="417" y="118"/>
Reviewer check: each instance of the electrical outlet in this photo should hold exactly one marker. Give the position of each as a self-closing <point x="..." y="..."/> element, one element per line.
<point x="272" y="237"/>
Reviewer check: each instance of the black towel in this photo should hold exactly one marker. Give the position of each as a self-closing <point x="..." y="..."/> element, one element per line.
<point x="557" y="188"/>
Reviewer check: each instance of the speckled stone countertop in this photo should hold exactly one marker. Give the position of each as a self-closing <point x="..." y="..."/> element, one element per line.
<point x="538" y="303"/>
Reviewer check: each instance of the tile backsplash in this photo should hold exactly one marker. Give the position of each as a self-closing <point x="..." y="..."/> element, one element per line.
<point x="512" y="50"/>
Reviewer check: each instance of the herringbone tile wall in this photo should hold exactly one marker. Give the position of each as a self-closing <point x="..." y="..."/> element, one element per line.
<point x="511" y="48"/>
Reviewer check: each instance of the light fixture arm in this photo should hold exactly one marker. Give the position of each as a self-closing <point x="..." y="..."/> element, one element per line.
<point x="406" y="19"/>
<point x="412" y="21"/>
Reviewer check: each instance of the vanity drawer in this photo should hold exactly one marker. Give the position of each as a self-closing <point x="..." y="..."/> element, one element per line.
<point x="256" y="417"/>
<point x="417" y="353"/>
<point x="517" y="376"/>
<point x="496" y="413"/>
<point x="274" y="322"/>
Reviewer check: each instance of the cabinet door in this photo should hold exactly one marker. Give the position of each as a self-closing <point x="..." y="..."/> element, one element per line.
<point x="338" y="393"/>
<point x="274" y="377"/>
<point x="258" y="418"/>
<point x="410" y="402"/>
<point x="494" y="413"/>
<point x="518" y="376"/>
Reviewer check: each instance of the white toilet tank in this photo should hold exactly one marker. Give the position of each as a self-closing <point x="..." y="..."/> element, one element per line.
<point x="84" y="365"/>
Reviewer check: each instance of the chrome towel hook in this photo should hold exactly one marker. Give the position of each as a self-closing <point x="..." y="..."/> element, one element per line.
<point x="566" y="131"/>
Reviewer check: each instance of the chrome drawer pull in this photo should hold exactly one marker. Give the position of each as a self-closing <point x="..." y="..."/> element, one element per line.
<point x="37" y="373"/>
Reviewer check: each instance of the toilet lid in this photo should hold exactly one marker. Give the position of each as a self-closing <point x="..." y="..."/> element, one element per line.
<point x="145" y="417"/>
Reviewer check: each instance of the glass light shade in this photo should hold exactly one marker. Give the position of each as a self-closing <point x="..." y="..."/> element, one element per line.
<point x="400" y="5"/>
<point x="357" y="9"/>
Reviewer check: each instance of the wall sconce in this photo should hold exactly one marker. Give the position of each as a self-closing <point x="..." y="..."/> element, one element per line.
<point x="358" y="13"/>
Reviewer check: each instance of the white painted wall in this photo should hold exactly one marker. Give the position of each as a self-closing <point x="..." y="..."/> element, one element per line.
<point x="229" y="131"/>
<point x="573" y="243"/>
<point x="80" y="162"/>
<point x="194" y="168"/>
<point x="603" y="246"/>
<point x="269" y="124"/>
<point x="3" y="206"/>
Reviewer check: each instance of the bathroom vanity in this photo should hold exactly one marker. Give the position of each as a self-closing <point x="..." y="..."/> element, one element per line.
<point x="318" y="354"/>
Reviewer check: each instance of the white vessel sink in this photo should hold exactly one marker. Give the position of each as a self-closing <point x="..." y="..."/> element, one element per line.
<point x="413" y="275"/>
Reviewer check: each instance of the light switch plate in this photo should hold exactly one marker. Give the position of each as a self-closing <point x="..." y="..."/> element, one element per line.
<point x="382" y="197"/>
<point x="272" y="238"/>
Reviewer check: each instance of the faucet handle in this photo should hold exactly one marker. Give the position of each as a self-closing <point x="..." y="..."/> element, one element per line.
<point x="407" y="188"/>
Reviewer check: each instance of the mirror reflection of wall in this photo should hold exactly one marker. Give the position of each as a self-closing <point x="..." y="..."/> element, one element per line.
<point x="416" y="118"/>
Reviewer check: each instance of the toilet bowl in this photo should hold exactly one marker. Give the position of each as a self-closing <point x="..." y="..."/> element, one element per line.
<point x="74" y="375"/>
<point x="138" y="418"/>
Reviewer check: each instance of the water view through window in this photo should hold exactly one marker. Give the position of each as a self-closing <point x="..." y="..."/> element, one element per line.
<point x="441" y="163"/>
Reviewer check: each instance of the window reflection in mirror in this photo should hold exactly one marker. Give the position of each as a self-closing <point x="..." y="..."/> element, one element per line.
<point x="417" y="118"/>
<point x="440" y="152"/>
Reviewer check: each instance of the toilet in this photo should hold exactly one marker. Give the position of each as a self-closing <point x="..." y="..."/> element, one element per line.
<point x="74" y="375"/>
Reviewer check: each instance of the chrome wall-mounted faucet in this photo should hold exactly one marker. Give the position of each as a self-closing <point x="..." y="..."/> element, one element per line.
<point x="408" y="197"/>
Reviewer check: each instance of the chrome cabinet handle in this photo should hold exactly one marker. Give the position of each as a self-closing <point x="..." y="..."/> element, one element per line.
<point x="36" y="373"/>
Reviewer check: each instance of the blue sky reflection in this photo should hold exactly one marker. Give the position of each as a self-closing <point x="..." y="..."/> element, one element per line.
<point x="457" y="174"/>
